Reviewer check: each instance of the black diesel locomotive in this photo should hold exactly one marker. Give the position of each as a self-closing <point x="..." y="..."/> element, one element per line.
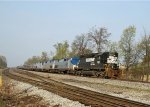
<point x="103" y="65"/>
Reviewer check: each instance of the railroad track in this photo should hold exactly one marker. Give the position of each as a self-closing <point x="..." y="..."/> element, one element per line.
<point x="84" y="96"/>
<point x="128" y="80"/>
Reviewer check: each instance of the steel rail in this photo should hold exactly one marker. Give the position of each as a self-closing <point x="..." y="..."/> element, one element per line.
<point x="75" y="93"/>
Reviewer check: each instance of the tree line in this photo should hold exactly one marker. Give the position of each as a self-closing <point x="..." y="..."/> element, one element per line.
<point x="133" y="54"/>
<point x="3" y="62"/>
<point x="36" y="59"/>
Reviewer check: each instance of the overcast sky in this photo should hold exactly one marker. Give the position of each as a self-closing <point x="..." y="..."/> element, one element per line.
<point x="28" y="28"/>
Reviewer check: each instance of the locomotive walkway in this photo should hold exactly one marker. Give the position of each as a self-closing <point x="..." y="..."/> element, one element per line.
<point x="86" y="97"/>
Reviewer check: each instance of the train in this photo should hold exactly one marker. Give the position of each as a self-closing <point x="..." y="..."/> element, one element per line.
<point x="104" y="65"/>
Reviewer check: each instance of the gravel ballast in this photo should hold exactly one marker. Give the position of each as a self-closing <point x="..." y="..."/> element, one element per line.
<point x="20" y="94"/>
<point x="130" y="90"/>
<point x="48" y="97"/>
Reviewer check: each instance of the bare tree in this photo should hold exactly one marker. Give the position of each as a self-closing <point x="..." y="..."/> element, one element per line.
<point x="80" y="45"/>
<point x="144" y="47"/>
<point x="62" y="50"/>
<point x="44" y="57"/>
<point x="128" y="48"/>
<point x="112" y="46"/>
<point x="36" y="59"/>
<point x="99" y="36"/>
<point x="33" y="60"/>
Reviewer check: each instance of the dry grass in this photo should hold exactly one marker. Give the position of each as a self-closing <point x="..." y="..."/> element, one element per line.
<point x="10" y="99"/>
